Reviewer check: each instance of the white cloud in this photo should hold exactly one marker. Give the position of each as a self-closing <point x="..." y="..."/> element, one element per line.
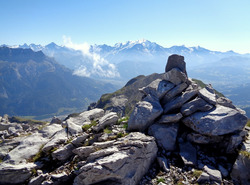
<point x="99" y="66"/>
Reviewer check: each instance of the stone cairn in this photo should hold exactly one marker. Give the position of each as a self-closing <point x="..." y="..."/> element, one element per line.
<point x="195" y="137"/>
<point x="184" y="117"/>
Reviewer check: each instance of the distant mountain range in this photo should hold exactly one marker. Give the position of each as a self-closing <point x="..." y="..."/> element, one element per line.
<point x="226" y="71"/>
<point x="32" y="83"/>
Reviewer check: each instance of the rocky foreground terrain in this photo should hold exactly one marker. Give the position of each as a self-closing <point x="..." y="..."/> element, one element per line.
<point x="178" y="133"/>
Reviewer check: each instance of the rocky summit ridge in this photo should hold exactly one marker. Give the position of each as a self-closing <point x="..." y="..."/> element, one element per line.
<point x="176" y="133"/>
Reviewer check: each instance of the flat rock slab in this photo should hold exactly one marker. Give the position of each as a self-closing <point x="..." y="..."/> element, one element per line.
<point x="170" y="118"/>
<point x="124" y="163"/>
<point x="175" y="76"/>
<point x="165" y="135"/>
<point x="195" y="105"/>
<point x="157" y="88"/>
<point x="28" y="147"/>
<point x="179" y="101"/>
<point x="108" y="119"/>
<point x="208" y="95"/>
<point x="219" y="121"/>
<point x="15" y="174"/>
<point x="173" y="93"/>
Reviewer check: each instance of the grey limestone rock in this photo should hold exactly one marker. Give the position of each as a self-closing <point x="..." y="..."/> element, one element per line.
<point x="225" y="102"/>
<point x="55" y="120"/>
<point x="144" y="114"/>
<point x="72" y="127"/>
<point x="37" y="180"/>
<point x="163" y="163"/>
<point x="93" y="114"/>
<point x="175" y="76"/>
<point x="109" y="119"/>
<point x="176" y="61"/>
<point x="208" y="94"/>
<point x="188" y="153"/>
<point x="214" y="175"/>
<point x="79" y="140"/>
<point x="50" y="130"/>
<point x="195" y="105"/>
<point x="135" y="154"/>
<point x="240" y="172"/>
<point x="219" y="121"/>
<point x="179" y="101"/>
<point x="28" y="147"/>
<point x="170" y="118"/>
<point x="235" y="141"/>
<point x="64" y="152"/>
<point x="173" y="93"/>
<point x="15" y="174"/>
<point x="58" y="138"/>
<point x="165" y="135"/>
<point x="84" y="151"/>
<point x="157" y="88"/>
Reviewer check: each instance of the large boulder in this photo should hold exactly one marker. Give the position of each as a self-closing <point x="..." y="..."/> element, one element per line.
<point x="157" y="88"/>
<point x="58" y="138"/>
<point x="125" y="163"/>
<point x="28" y="147"/>
<point x="144" y="114"/>
<point x="219" y="121"/>
<point x="165" y="135"/>
<point x="195" y="105"/>
<point x="108" y="119"/>
<point x="15" y="174"/>
<point x="176" y="61"/>
<point x="175" y="76"/>
<point x="208" y="94"/>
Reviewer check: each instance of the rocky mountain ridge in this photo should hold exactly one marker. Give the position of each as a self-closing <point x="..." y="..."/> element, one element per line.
<point x="227" y="71"/>
<point x="178" y="133"/>
<point x="32" y="84"/>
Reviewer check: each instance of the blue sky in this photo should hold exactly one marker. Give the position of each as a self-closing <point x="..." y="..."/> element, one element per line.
<point x="214" y="24"/>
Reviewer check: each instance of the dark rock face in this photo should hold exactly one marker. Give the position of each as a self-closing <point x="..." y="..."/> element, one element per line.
<point x="165" y="135"/>
<point x="144" y="114"/>
<point x="176" y="61"/>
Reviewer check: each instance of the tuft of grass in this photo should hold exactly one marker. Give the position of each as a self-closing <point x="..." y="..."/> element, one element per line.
<point x="69" y="140"/>
<point x="120" y="134"/>
<point x="202" y="85"/>
<point x="122" y="119"/>
<point x="27" y="121"/>
<point x="33" y="171"/>
<point x="53" y="149"/>
<point x="125" y="126"/>
<point x="38" y="155"/>
<point x="248" y="123"/>
<point x="88" y="126"/>
<point x="197" y="173"/>
<point x="107" y="131"/>
<point x="160" y="180"/>
<point x="245" y="153"/>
